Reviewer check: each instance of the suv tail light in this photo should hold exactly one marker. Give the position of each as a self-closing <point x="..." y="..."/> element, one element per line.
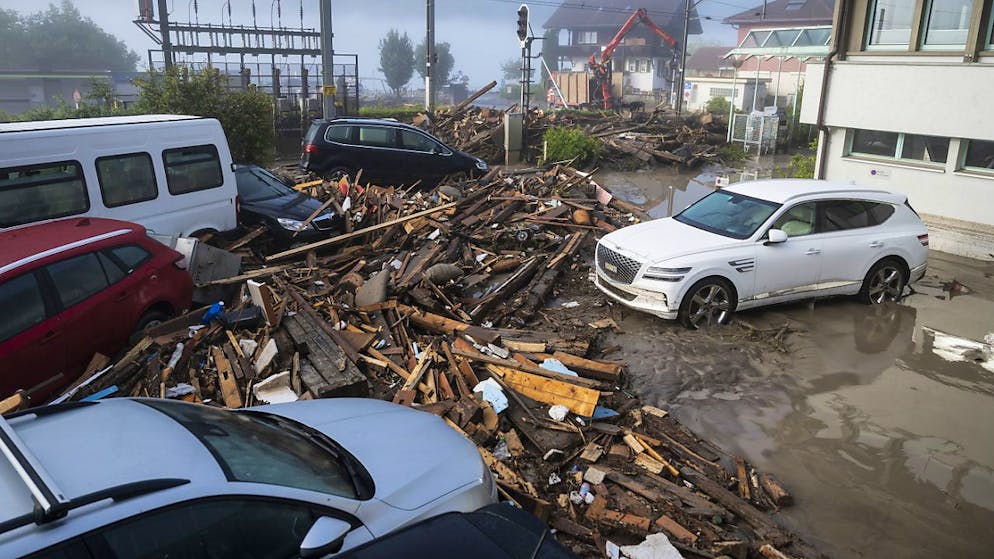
<point x="310" y="149"/>
<point x="238" y="206"/>
<point x="923" y="239"/>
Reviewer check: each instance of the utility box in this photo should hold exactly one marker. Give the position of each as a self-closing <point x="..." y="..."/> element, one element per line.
<point x="513" y="141"/>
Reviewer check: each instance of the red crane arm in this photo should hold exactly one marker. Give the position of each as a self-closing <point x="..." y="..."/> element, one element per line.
<point x="638" y="16"/>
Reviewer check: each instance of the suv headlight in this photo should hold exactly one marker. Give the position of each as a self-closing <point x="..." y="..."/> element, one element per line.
<point x="481" y="165"/>
<point x="665" y="274"/>
<point x="289" y="224"/>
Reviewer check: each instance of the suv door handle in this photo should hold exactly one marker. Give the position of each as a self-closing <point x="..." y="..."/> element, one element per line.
<point x="812" y="252"/>
<point x="50" y="335"/>
<point x="876" y="244"/>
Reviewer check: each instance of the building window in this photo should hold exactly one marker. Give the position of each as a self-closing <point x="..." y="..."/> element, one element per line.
<point x="891" y="23"/>
<point x="641" y="65"/>
<point x="586" y="37"/>
<point x="725" y="92"/>
<point x="894" y="145"/>
<point x="795" y="4"/>
<point x="947" y="23"/>
<point x="978" y="154"/>
<point x="990" y="33"/>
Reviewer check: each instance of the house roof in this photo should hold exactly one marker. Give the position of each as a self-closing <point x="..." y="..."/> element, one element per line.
<point x="708" y="59"/>
<point x="612" y="14"/>
<point x="789" y="12"/>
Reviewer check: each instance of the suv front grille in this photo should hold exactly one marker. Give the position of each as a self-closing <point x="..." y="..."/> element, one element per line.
<point x="616" y="266"/>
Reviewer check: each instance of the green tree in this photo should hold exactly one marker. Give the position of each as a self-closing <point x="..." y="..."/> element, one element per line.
<point x="246" y="116"/>
<point x="718" y="106"/>
<point x="396" y="60"/>
<point x="550" y="52"/>
<point x="101" y="92"/>
<point x="511" y="69"/>
<point x="442" y="66"/>
<point x="60" y="38"/>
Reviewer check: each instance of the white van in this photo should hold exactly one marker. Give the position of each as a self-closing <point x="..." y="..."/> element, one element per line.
<point x="171" y="173"/>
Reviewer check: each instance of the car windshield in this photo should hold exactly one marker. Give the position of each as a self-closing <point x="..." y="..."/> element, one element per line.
<point x="256" y="447"/>
<point x="255" y="185"/>
<point x="728" y="214"/>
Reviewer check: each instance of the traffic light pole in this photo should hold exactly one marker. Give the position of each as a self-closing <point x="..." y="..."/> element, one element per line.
<point x="327" y="61"/>
<point x="430" y="56"/>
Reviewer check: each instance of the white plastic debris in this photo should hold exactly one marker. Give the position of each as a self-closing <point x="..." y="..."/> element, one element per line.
<point x="275" y="389"/>
<point x="575" y="497"/>
<point x="612" y="550"/>
<point x="551" y="453"/>
<point x="570" y="305"/>
<point x="655" y="546"/>
<point x="347" y="203"/>
<point x="557" y="366"/>
<point x="501" y="452"/>
<point x="481" y="257"/>
<point x="248" y="346"/>
<point x="989" y="339"/>
<point x="175" y="356"/>
<point x="589" y="498"/>
<point x="181" y="389"/>
<point x="554" y="479"/>
<point x="498" y="351"/>
<point x="594" y="476"/>
<point x="558" y="412"/>
<point x="434" y="234"/>
<point x="492" y="393"/>
<point x="396" y="263"/>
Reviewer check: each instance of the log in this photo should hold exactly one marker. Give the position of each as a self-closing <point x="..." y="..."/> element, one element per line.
<point x="760" y="522"/>
<point x="780" y="496"/>
<point x="589" y="368"/>
<point x="349" y="236"/>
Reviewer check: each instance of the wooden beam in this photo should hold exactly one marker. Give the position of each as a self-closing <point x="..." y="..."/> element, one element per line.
<point x="578" y="399"/>
<point x="349" y="236"/>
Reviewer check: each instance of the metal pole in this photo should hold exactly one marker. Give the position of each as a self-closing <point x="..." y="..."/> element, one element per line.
<point x="776" y="94"/>
<point x="793" y="113"/>
<point x="731" y="109"/>
<point x="683" y="56"/>
<point x="327" y="59"/>
<point x="167" y="45"/>
<point x="429" y="55"/>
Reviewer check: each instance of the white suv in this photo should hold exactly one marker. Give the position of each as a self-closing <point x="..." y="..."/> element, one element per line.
<point x="765" y="242"/>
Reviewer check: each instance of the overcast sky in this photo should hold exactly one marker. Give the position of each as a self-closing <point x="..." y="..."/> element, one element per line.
<point x="481" y="32"/>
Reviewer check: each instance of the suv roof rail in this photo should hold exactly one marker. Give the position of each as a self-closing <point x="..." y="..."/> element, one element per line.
<point x="48" y="498"/>
<point x="117" y="493"/>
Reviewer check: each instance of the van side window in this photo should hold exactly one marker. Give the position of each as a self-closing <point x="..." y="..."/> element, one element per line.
<point x="36" y="192"/>
<point x="126" y="179"/>
<point x="22" y="304"/>
<point x="78" y="278"/>
<point x="339" y="133"/>
<point x="418" y="142"/>
<point x="192" y="169"/>
<point x="378" y="136"/>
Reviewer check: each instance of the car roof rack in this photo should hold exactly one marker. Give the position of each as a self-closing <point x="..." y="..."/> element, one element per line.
<point x="50" y="502"/>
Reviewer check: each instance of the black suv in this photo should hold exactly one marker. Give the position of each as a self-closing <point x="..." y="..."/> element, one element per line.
<point x="387" y="151"/>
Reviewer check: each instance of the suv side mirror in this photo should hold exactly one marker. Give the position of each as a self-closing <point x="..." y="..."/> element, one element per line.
<point x="775" y="237"/>
<point x="326" y="536"/>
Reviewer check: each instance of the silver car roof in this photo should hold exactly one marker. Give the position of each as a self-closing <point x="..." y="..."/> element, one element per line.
<point x="104" y="445"/>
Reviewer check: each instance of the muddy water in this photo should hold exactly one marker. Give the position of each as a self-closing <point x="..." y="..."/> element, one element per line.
<point x="879" y="419"/>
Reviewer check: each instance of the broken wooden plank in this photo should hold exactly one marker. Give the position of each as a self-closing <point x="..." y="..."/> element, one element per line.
<point x="772" y="486"/>
<point x="226" y="376"/>
<point x="578" y="399"/>
<point x="590" y="368"/>
<point x="339" y="376"/>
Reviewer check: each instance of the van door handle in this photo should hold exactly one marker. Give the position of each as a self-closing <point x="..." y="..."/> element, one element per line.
<point x="812" y="252"/>
<point x="49" y="336"/>
<point x="122" y="296"/>
<point x="876" y="244"/>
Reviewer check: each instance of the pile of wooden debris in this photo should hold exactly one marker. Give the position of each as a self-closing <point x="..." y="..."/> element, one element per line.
<point x="428" y="301"/>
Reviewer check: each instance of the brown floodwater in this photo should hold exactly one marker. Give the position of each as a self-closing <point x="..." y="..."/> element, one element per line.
<point x="878" y="419"/>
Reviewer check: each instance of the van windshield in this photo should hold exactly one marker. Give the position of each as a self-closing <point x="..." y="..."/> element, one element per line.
<point x="256" y="185"/>
<point x="728" y="214"/>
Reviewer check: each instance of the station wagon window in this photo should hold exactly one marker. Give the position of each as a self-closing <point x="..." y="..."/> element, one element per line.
<point x="339" y="133"/>
<point x="22" y="305"/>
<point x="126" y="179"/>
<point x="838" y="215"/>
<point x="192" y="169"/>
<point x="880" y="212"/>
<point x="132" y="256"/>
<point x="418" y="142"/>
<point x="78" y="278"/>
<point x="36" y="192"/>
<point x="797" y="221"/>
<point x="978" y="155"/>
<point x="228" y="527"/>
<point x="377" y="136"/>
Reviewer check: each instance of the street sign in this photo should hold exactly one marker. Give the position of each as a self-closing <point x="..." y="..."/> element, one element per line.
<point x="329" y="90"/>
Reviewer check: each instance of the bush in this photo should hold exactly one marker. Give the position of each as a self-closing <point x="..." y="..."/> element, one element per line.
<point x="563" y="144"/>
<point x="403" y="113"/>
<point x="801" y="166"/>
<point x="246" y="116"/>
<point x="718" y="106"/>
<point x="731" y="153"/>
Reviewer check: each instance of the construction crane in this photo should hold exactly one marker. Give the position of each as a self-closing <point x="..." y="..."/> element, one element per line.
<point x="601" y="70"/>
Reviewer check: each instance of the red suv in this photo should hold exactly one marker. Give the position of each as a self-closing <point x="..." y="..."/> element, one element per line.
<point x="76" y="287"/>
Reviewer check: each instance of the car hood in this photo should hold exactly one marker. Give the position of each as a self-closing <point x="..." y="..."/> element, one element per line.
<point x="413" y="456"/>
<point x="663" y="239"/>
<point x="298" y="207"/>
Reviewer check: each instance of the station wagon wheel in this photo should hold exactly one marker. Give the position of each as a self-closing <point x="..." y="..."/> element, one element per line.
<point x="884" y="282"/>
<point x="709" y="302"/>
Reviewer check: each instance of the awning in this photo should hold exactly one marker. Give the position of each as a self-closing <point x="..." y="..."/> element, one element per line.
<point x="794" y="42"/>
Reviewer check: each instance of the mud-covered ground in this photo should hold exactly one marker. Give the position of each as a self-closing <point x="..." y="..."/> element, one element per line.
<point x="878" y="419"/>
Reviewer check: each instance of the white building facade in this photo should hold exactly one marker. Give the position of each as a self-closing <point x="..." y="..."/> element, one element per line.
<point x="909" y="106"/>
